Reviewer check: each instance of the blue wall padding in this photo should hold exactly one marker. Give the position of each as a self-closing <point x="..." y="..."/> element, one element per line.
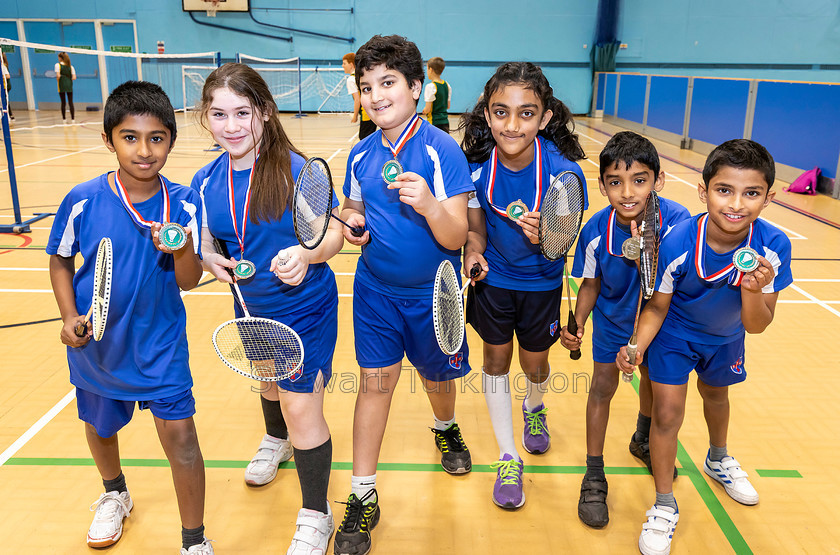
<point x="718" y="109"/>
<point x="631" y="97"/>
<point x="602" y="85"/>
<point x="609" y="96"/>
<point x="666" y="105"/>
<point x="799" y="123"/>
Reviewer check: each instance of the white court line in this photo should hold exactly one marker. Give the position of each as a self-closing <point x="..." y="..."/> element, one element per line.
<point x="53" y="158"/>
<point x="36" y="427"/>
<point x="823" y="304"/>
<point x="593" y="139"/>
<point x="334" y="155"/>
<point x="56" y="125"/>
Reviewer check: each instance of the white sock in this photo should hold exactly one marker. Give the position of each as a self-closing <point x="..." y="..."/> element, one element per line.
<point x="361" y="485"/>
<point x="534" y="393"/>
<point x="443" y="424"/>
<point x="497" y="397"/>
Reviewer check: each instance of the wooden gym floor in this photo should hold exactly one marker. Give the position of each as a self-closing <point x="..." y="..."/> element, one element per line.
<point x="784" y="423"/>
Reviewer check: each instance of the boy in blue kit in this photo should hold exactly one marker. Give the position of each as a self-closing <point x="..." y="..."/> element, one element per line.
<point x="143" y="355"/>
<point x="407" y="184"/>
<point x="629" y="171"/>
<point x="720" y="274"/>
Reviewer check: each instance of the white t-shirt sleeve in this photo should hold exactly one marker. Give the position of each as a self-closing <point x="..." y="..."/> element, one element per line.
<point x="351" y="85"/>
<point x="429" y="92"/>
<point x="73" y="71"/>
<point x="58" y="69"/>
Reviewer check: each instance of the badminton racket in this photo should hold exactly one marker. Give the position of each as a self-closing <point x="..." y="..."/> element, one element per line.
<point x="560" y="217"/>
<point x="97" y="315"/>
<point x="448" y="307"/>
<point x="259" y="348"/>
<point x="312" y="204"/>
<point x="648" y="259"/>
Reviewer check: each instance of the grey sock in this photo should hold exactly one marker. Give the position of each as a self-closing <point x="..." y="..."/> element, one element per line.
<point x="275" y="424"/>
<point x="595" y="467"/>
<point x="192" y="536"/>
<point x="642" y="427"/>
<point x="716" y="453"/>
<point x="313" y="468"/>
<point x="117" y="484"/>
<point x="666" y="500"/>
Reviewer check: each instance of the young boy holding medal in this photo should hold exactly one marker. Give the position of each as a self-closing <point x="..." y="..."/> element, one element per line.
<point x="142" y="356"/>
<point x="407" y="185"/>
<point x="720" y="274"/>
<point x="629" y="171"/>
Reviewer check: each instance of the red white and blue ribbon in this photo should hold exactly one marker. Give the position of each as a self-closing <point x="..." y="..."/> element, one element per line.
<point x="396" y="147"/>
<point x="232" y="203"/>
<point x="611" y="233"/>
<point x="735" y="276"/>
<point x="129" y="207"/>
<point x="491" y="180"/>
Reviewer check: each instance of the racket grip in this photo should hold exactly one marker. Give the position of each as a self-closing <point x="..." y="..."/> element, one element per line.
<point x="573" y="328"/>
<point x="632" y="349"/>
<point x="81" y="329"/>
<point x="475" y="270"/>
<point x="357" y="231"/>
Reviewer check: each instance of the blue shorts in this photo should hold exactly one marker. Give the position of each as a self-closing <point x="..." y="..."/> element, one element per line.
<point x="671" y="359"/>
<point x="385" y="328"/>
<point x="108" y="416"/>
<point x="317" y="327"/>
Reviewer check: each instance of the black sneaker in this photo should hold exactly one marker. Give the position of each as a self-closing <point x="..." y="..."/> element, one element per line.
<point x="641" y="450"/>
<point x="360" y="517"/>
<point x="592" y="505"/>
<point x="455" y="457"/>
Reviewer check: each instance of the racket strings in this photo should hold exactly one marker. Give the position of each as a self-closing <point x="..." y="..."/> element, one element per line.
<point x="101" y="287"/>
<point x="649" y="246"/>
<point x="262" y="349"/>
<point x="449" y="311"/>
<point x="313" y="201"/>
<point x="561" y="215"/>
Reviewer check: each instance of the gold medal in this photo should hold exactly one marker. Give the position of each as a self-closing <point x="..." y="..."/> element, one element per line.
<point x="516" y="209"/>
<point x="173" y="236"/>
<point x="745" y="259"/>
<point x="631" y="248"/>
<point x="390" y="170"/>
<point x="244" y="269"/>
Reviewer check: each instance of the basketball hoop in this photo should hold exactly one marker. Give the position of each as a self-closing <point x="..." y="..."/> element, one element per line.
<point x="212" y="6"/>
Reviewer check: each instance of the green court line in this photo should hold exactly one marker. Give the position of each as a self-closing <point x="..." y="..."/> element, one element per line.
<point x="764" y="473"/>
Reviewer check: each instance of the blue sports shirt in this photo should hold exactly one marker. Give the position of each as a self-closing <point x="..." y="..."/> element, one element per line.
<point x="264" y="292"/>
<point x="516" y="263"/>
<point x="143" y="353"/>
<point x="598" y="255"/>
<point x="709" y="312"/>
<point x="402" y="256"/>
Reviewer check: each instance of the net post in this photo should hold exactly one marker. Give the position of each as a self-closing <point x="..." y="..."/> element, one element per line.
<point x="238" y="57"/>
<point x="300" y="113"/>
<point x="218" y="59"/>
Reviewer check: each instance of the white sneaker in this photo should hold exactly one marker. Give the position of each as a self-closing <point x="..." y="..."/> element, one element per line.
<point x="263" y="467"/>
<point x="728" y="472"/>
<point x="314" y="530"/>
<point x="203" y="548"/>
<point x="658" y="531"/>
<point x="111" y="508"/>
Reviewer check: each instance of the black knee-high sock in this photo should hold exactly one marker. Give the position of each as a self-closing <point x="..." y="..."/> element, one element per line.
<point x="275" y="424"/>
<point x="313" y="468"/>
<point x="642" y="427"/>
<point x="117" y="484"/>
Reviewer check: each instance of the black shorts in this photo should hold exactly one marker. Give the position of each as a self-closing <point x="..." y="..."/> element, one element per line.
<point x="497" y="313"/>
<point x="366" y="127"/>
<point x="442" y="126"/>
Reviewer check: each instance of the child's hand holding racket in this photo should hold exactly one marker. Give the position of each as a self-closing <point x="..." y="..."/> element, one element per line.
<point x="70" y="329"/>
<point x="572" y="341"/>
<point x="623" y="361"/>
<point x="530" y="224"/>
<point x="758" y="278"/>
<point x="470" y="260"/>
<point x="219" y="266"/>
<point x="415" y="192"/>
<point x="290" y="265"/>
<point x="355" y="219"/>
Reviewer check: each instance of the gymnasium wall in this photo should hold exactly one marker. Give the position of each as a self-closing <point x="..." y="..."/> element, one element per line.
<point x="780" y="39"/>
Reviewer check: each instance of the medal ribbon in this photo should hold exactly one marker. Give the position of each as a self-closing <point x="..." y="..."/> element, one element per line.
<point x="610" y="233"/>
<point x="232" y="204"/>
<point x="404" y="136"/>
<point x="735" y="275"/>
<point x="491" y="180"/>
<point x="129" y="207"/>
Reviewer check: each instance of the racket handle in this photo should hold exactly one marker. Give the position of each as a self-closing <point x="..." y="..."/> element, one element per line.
<point x="573" y="329"/>
<point x="356" y="230"/>
<point x="81" y="329"/>
<point x="475" y="270"/>
<point x="632" y="349"/>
